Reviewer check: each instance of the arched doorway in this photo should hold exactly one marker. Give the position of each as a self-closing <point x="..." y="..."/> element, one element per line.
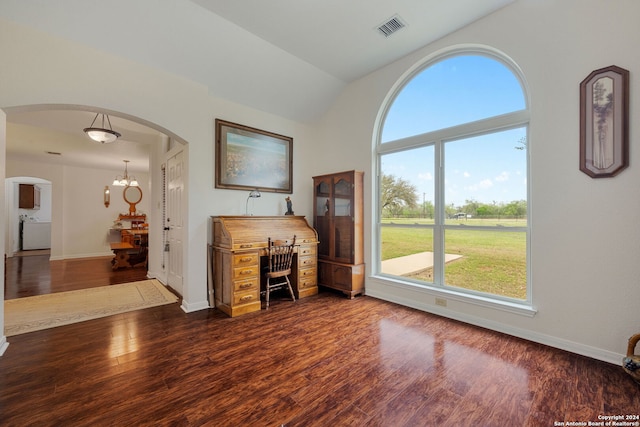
<point x="52" y="137"/>
<point x="28" y="214"/>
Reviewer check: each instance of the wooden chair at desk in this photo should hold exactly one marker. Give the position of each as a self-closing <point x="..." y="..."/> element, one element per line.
<point x="280" y="260"/>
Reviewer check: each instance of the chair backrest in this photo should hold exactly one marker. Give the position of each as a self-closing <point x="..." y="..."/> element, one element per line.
<point x="280" y="255"/>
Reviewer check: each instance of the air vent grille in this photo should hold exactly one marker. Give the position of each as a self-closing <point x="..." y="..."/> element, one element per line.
<point x="391" y="26"/>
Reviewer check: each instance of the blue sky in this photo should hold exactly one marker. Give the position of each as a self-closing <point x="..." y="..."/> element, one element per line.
<point x="454" y="91"/>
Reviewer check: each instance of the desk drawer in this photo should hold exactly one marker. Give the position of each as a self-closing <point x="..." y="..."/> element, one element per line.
<point x="306" y="250"/>
<point x="307" y="282"/>
<point x="245" y="259"/>
<point x="245" y="272"/>
<point x="240" y="298"/>
<point x="244" y="246"/>
<point x="245" y="285"/>
<point x="307" y="273"/>
<point x="307" y="261"/>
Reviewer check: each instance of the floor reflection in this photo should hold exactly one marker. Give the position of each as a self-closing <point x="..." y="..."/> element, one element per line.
<point x="124" y="339"/>
<point x="437" y="364"/>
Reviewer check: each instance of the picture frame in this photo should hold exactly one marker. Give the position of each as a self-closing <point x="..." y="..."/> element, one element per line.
<point x="252" y="159"/>
<point x="604" y="122"/>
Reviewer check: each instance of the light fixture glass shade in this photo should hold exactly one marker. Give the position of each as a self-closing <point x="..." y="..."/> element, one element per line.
<point x="125" y="180"/>
<point x="102" y="134"/>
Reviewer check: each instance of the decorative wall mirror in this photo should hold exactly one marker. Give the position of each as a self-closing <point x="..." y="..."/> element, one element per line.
<point x="132" y="195"/>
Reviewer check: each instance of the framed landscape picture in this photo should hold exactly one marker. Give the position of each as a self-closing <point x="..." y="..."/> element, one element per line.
<point x="249" y="159"/>
<point x="604" y="122"/>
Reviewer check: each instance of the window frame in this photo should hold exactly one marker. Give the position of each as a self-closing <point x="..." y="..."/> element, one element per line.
<point x="437" y="138"/>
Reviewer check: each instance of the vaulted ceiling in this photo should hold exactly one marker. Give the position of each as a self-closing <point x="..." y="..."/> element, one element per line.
<point x="288" y="57"/>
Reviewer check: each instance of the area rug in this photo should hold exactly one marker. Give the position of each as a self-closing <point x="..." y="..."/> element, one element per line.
<point x="30" y="314"/>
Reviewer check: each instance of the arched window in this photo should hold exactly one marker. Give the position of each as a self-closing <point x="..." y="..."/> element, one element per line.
<point x="452" y="209"/>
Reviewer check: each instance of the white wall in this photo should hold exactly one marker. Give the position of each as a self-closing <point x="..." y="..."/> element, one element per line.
<point x="3" y="142"/>
<point x="79" y="219"/>
<point x="79" y="76"/>
<point x="584" y="266"/>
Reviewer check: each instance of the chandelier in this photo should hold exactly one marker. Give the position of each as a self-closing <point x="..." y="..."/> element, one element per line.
<point x="102" y="134"/>
<point x="125" y="180"/>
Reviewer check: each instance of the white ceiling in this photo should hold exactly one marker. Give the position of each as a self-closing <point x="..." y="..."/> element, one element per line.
<point x="34" y="136"/>
<point x="307" y="50"/>
<point x="340" y="37"/>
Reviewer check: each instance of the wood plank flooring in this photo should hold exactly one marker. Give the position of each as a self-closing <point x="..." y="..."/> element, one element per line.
<point x="27" y="276"/>
<point x="319" y="361"/>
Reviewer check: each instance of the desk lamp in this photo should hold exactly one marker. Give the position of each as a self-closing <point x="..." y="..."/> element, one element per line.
<point x="253" y="195"/>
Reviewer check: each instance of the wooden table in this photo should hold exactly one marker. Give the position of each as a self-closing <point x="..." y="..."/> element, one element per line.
<point x="135" y="236"/>
<point x="121" y="254"/>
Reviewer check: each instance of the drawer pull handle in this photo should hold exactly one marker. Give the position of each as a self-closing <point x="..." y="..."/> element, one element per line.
<point x="246" y="246"/>
<point x="246" y="298"/>
<point x="244" y="272"/>
<point x="246" y="259"/>
<point x="246" y="285"/>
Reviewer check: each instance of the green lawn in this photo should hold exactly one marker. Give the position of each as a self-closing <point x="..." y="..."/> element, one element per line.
<point x="492" y="261"/>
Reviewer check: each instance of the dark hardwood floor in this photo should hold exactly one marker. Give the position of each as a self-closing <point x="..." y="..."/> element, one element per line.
<point x="27" y="276"/>
<point x="320" y="361"/>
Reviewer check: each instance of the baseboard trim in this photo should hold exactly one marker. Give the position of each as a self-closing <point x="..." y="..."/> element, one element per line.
<point x="559" y="343"/>
<point x="3" y="344"/>
<point x="94" y="255"/>
<point x="197" y="306"/>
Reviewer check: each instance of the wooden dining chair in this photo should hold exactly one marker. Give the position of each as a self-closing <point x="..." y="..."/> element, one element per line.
<point x="280" y="260"/>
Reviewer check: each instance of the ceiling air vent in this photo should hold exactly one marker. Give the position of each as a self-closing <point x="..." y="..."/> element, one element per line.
<point x="392" y="25"/>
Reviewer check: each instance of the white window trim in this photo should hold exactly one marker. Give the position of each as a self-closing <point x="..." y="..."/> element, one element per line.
<point x="493" y="124"/>
<point x="495" y="303"/>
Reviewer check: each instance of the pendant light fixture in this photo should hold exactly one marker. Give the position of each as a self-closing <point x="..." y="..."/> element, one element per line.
<point x="125" y="180"/>
<point x="102" y="134"/>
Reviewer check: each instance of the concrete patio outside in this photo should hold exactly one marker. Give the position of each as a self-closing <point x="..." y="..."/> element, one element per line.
<point x="414" y="263"/>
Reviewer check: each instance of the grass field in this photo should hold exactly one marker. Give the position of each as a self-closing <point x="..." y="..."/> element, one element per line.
<point x="492" y="261"/>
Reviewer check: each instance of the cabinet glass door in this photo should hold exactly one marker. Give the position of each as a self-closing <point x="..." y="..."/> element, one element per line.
<point x="343" y="220"/>
<point x="322" y="220"/>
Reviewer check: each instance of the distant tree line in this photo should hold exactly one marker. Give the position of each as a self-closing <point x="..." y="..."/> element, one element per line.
<point x="400" y="199"/>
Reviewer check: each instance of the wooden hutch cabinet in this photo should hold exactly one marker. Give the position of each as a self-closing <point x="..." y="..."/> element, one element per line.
<point x="338" y="219"/>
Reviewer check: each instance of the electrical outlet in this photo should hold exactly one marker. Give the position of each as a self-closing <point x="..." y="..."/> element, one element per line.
<point x="441" y="302"/>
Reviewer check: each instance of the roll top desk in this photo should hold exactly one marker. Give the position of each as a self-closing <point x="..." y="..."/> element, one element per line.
<point x="239" y="254"/>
